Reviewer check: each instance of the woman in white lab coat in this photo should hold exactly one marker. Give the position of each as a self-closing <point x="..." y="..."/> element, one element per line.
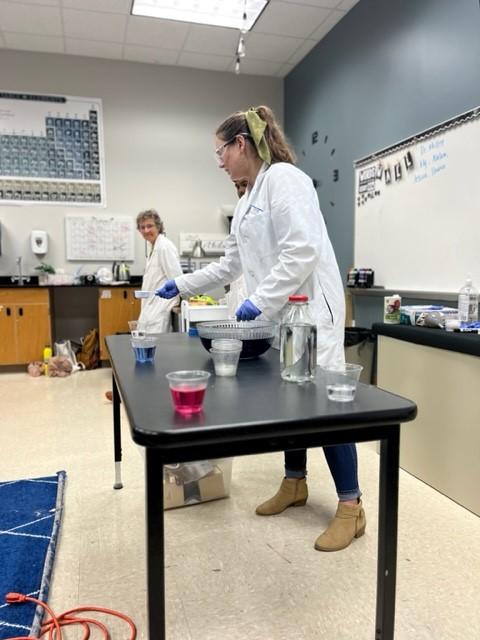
<point x="162" y="264"/>
<point x="280" y="243"/>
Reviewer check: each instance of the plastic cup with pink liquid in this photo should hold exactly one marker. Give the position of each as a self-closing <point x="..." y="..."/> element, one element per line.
<point x="188" y="390"/>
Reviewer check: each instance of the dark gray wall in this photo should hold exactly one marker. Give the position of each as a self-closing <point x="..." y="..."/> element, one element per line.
<point x="388" y="70"/>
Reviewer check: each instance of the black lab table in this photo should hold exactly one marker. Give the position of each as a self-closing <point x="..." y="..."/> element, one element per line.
<point x="254" y="412"/>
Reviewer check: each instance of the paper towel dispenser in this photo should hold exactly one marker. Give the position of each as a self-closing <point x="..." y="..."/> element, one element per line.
<point x="39" y="242"/>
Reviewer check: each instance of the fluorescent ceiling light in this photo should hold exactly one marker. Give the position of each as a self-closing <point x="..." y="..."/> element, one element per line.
<point x="218" y="13"/>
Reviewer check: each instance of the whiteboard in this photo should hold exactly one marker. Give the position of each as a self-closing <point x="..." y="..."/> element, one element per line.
<point x="99" y="238"/>
<point x="417" y="208"/>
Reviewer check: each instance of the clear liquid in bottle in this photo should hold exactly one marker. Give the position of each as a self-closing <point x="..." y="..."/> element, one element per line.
<point x="298" y="352"/>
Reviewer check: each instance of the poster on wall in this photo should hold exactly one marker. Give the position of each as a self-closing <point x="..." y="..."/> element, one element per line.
<point x="51" y="150"/>
<point x="99" y="238"/>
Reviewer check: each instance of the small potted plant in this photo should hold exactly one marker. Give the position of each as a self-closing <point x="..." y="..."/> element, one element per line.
<point x="43" y="270"/>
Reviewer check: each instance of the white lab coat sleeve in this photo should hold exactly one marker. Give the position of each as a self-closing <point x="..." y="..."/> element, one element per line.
<point x="296" y="218"/>
<point x="220" y="273"/>
<point x="169" y="262"/>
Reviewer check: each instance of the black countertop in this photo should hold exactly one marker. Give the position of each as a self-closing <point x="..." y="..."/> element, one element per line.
<point x="6" y="283"/>
<point x="450" y="340"/>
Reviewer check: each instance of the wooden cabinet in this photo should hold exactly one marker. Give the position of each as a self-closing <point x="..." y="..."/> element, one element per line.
<point x="115" y="308"/>
<point x="24" y="325"/>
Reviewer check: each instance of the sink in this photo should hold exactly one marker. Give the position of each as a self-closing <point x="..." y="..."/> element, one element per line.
<point x="6" y="281"/>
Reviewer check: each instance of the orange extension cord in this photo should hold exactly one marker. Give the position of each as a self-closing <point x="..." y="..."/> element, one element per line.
<point x="53" y="626"/>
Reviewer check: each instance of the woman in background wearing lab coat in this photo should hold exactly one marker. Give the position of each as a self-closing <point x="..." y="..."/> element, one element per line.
<point x="162" y="264"/>
<point x="280" y="243"/>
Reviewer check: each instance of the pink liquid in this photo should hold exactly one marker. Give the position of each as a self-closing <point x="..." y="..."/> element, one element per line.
<point x="188" y="401"/>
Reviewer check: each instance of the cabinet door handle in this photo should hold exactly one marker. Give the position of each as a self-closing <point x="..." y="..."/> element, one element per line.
<point x="125" y="294"/>
<point x="9" y="311"/>
<point x="20" y="311"/>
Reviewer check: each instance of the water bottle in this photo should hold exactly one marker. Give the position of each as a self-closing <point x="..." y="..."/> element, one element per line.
<point x="298" y="341"/>
<point x="468" y="302"/>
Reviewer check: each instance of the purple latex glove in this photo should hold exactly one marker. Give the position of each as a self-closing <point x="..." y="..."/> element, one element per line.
<point x="247" y="311"/>
<point x="169" y="290"/>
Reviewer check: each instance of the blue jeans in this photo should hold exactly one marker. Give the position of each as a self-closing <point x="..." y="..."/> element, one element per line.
<point x="342" y="461"/>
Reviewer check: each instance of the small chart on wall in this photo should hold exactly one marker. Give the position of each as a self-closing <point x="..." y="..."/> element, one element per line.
<point x="417" y="208"/>
<point x="51" y="150"/>
<point x="99" y="238"/>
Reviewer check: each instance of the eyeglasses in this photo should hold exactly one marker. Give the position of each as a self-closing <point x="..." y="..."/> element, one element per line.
<point x="219" y="151"/>
<point x="146" y="227"/>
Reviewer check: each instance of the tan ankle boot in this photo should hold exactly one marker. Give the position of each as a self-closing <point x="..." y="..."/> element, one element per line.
<point x="349" y="523"/>
<point x="293" y="492"/>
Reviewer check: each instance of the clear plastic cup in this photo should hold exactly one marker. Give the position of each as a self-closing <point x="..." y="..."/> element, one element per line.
<point x="139" y="329"/>
<point x="226" y="361"/>
<point x="226" y="344"/>
<point x="341" y="381"/>
<point x="188" y="390"/>
<point x="144" y="349"/>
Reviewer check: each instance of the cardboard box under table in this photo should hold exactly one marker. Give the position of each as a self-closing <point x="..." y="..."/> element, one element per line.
<point x="195" y="482"/>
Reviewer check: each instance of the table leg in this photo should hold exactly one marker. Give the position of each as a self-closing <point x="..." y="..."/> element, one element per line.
<point x="387" y="534"/>
<point x="117" y="435"/>
<point x="155" y="545"/>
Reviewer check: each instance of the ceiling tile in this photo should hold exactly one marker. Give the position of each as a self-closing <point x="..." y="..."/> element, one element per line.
<point x="27" y="42"/>
<point x="301" y="52"/>
<point x="284" y="34"/>
<point x="25" y="18"/>
<point x="285" y="70"/>
<point x="324" y="4"/>
<point x="202" y="61"/>
<point x="95" y="49"/>
<point x="153" y="32"/>
<point x="282" y="18"/>
<point x="214" y="40"/>
<point x="109" y="6"/>
<point x="346" y="5"/>
<point x="328" y="25"/>
<point x="151" y="55"/>
<point x="94" y="26"/>
<point x="51" y="3"/>
<point x="267" y="47"/>
<point x="249" y="66"/>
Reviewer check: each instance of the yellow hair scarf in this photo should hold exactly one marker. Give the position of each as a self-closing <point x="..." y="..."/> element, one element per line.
<point x="257" y="127"/>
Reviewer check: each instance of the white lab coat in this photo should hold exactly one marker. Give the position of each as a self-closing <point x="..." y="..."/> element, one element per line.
<point x="280" y="242"/>
<point x="236" y="295"/>
<point x="163" y="264"/>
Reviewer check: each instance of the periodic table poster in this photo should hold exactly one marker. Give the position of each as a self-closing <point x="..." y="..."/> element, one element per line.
<point x="51" y="150"/>
<point x="99" y="238"/>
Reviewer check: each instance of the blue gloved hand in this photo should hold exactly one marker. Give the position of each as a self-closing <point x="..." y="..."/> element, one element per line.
<point x="247" y="311"/>
<point x="169" y="290"/>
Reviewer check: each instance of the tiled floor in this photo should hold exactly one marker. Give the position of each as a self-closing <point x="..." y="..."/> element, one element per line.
<point x="230" y="574"/>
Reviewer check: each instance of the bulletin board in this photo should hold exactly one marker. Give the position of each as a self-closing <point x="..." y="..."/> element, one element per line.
<point x="99" y="238"/>
<point x="51" y="150"/>
<point x="417" y="208"/>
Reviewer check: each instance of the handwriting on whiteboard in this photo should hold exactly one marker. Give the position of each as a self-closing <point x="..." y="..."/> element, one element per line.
<point x="433" y="159"/>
